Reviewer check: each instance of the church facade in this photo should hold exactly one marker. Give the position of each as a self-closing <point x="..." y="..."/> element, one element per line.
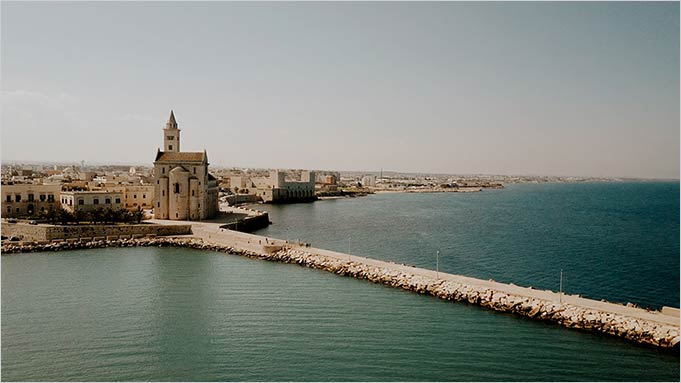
<point x="184" y="190"/>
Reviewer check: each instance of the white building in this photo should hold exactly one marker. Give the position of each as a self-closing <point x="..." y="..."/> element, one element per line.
<point x="90" y="200"/>
<point x="369" y="181"/>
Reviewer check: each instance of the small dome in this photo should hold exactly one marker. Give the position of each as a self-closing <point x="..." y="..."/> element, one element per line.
<point x="178" y="169"/>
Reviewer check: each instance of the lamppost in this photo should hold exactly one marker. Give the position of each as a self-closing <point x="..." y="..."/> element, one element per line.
<point x="560" y="293"/>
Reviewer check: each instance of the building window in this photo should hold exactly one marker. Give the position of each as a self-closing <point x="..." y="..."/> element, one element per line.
<point x="158" y="182"/>
<point x="163" y="170"/>
<point x="170" y="137"/>
<point x="134" y="196"/>
<point x="70" y="202"/>
<point x="107" y="201"/>
<point x="9" y="198"/>
<point x="9" y="209"/>
<point x="177" y="187"/>
<point x="95" y="201"/>
<point x="158" y="204"/>
<point x="42" y="198"/>
<point x="194" y="169"/>
<point x="118" y="200"/>
<point x="163" y="193"/>
<point x="17" y="198"/>
<point x="192" y="193"/>
<point x="50" y="198"/>
<point x="81" y="202"/>
<point x="31" y="198"/>
<point x="170" y="147"/>
<point x="144" y="196"/>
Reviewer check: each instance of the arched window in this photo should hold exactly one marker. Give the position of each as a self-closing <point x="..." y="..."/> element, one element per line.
<point x="177" y="187"/>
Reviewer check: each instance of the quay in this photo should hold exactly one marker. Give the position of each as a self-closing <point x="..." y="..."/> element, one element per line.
<point x="654" y="328"/>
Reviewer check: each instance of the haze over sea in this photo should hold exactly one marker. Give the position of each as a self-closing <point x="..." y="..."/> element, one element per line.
<point x="180" y="314"/>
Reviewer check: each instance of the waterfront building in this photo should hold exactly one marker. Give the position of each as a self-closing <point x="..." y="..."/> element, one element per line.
<point x="276" y="188"/>
<point x="29" y="199"/>
<point x="135" y="196"/>
<point x="183" y="188"/>
<point x="90" y="200"/>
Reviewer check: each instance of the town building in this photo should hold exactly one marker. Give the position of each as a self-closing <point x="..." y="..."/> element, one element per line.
<point x="86" y="201"/>
<point x="368" y="181"/>
<point x="28" y="199"/>
<point x="183" y="188"/>
<point x="135" y="196"/>
<point x="276" y="188"/>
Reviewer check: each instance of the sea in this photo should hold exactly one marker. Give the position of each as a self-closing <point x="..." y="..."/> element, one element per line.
<point x="171" y="314"/>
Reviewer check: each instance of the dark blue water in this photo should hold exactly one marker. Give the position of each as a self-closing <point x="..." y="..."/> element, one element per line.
<point x="138" y="314"/>
<point x="614" y="241"/>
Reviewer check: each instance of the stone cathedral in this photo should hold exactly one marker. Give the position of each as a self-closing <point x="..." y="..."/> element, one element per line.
<point x="184" y="190"/>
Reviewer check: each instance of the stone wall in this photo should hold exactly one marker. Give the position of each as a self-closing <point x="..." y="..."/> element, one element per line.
<point x="242" y="198"/>
<point x="250" y="223"/>
<point x="42" y="232"/>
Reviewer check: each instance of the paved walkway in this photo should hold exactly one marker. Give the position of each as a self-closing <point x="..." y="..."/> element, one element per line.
<point x="211" y="232"/>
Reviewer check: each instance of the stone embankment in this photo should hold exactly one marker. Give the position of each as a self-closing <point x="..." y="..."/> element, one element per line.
<point x="651" y="332"/>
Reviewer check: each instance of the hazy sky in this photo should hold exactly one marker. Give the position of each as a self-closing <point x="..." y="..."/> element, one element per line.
<point x="588" y="89"/>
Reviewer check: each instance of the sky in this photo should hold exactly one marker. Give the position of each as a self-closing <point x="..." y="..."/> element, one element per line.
<point x="571" y="89"/>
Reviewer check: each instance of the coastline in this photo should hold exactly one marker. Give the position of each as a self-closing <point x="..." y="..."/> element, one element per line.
<point x="631" y="323"/>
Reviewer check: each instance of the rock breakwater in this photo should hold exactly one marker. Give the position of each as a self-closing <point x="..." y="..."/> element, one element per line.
<point x="638" y="330"/>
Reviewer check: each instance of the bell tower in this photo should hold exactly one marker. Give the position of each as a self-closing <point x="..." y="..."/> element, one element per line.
<point x="171" y="135"/>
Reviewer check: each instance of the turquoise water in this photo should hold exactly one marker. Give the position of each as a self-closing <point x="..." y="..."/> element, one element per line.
<point x="614" y="241"/>
<point x="180" y="314"/>
<point x="140" y="314"/>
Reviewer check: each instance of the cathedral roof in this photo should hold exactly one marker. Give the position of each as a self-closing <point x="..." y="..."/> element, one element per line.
<point x="181" y="157"/>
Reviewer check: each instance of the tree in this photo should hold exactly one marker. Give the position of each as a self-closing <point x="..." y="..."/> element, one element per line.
<point x="65" y="216"/>
<point x="121" y="215"/>
<point x="79" y="216"/>
<point x="138" y="215"/>
<point x="109" y="215"/>
<point x="97" y="215"/>
<point x="52" y="215"/>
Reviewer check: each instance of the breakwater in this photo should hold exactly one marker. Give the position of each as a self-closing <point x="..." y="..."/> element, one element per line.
<point x="634" y="324"/>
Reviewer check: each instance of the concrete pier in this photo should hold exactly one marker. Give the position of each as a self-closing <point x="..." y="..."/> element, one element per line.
<point x="656" y="328"/>
<point x="660" y="328"/>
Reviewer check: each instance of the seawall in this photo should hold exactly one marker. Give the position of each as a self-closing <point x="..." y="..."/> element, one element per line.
<point x="44" y="232"/>
<point x="635" y="324"/>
